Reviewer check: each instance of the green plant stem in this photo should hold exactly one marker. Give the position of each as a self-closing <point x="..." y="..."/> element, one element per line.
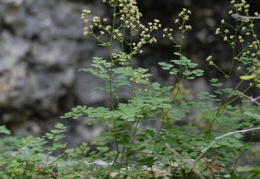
<point x="232" y="64"/>
<point x="164" y="114"/>
<point x="177" y="91"/>
<point x="122" y="41"/>
<point x="238" y="96"/>
<point x="233" y="46"/>
<point x="180" y="51"/>
<point x="110" y="84"/>
<point x="224" y="107"/>
<point x="213" y="121"/>
<point x="132" y="61"/>
<point x="221" y="71"/>
<point x="239" y="157"/>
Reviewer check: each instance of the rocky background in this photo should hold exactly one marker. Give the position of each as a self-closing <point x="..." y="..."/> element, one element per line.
<point x="42" y="46"/>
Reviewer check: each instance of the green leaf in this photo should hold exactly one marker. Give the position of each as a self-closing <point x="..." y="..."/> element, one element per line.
<point x="174" y="71"/>
<point x="245" y="60"/>
<point x="104" y="44"/>
<point x="60" y="126"/>
<point x="244" y="168"/>
<point x="238" y="135"/>
<point x="255" y="116"/>
<point x="49" y="136"/>
<point x="248" y="77"/>
<point x="127" y="71"/>
<point x="4" y="130"/>
<point x="165" y="66"/>
<point x="206" y="173"/>
<point x="207" y="95"/>
<point x="214" y="82"/>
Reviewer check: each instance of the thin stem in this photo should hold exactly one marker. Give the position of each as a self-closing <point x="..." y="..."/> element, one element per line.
<point x="254" y="100"/>
<point x="110" y="83"/>
<point x="132" y="60"/>
<point x="112" y="62"/>
<point x="180" y="51"/>
<point x="122" y="41"/>
<point x="220" y="70"/>
<point x="189" y="162"/>
<point x="205" y="150"/>
<point x="212" y="123"/>
<point x="233" y="173"/>
<point x="233" y="57"/>
<point x="224" y="107"/>
<point x="177" y="91"/>
<point x="231" y="101"/>
<point x="164" y="114"/>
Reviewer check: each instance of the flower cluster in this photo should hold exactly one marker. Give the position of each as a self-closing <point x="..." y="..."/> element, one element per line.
<point x="183" y="27"/>
<point x="97" y="22"/>
<point x="128" y="18"/>
<point x="244" y="34"/>
<point x="241" y="7"/>
<point x="84" y="16"/>
<point x="209" y="59"/>
<point x="246" y="25"/>
<point x="184" y="15"/>
<point x="130" y="15"/>
<point x="145" y="35"/>
<point x="140" y="76"/>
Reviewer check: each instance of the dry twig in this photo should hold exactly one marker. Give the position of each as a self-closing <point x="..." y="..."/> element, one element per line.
<point x="254" y="100"/>
<point x="204" y="151"/>
<point x="239" y="17"/>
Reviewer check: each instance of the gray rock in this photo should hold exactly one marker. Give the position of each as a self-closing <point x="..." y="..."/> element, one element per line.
<point x="41" y="49"/>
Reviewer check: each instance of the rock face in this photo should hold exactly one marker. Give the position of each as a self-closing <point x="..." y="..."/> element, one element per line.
<point x="41" y="44"/>
<point x="42" y="47"/>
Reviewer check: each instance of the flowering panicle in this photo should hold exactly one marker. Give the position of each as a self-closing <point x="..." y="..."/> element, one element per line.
<point x="140" y="76"/>
<point x="130" y="15"/>
<point x="128" y="18"/>
<point x="243" y="35"/>
<point x="145" y="35"/>
<point x="184" y="16"/>
<point x="246" y="25"/>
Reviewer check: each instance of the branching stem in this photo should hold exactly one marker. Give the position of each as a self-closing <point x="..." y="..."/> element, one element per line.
<point x="204" y="151"/>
